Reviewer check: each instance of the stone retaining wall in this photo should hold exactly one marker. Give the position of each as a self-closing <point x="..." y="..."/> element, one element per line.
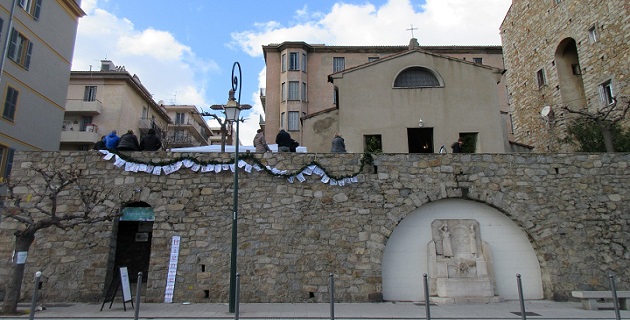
<point x="291" y="236"/>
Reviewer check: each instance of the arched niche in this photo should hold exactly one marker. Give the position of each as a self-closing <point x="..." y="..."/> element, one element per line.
<point x="405" y="256"/>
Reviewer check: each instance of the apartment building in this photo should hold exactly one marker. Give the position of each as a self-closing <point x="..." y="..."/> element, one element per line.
<point x="298" y="86"/>
<point x="38" y="40"/>
<point x="564" y="53"/>
<point x="189" y="128"/>
<point x="109" y="99"/>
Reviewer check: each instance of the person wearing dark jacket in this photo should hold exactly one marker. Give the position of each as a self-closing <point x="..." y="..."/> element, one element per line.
<point x="338" y="144"/>
<point x="100" y="144"/>
<point x="283" y="139"/>
<point x="458" y="146"/>
<point x="128" y="142"/>
<point x="150" y="142"/>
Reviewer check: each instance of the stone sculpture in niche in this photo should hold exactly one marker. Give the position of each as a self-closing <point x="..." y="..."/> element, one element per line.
<point x="458" y="270"/>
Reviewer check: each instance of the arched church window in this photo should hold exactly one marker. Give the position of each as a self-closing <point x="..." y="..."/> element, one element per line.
<point x="415" y="77"/>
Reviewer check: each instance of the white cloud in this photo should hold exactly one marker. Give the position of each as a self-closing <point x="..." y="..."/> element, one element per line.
<point x="152" y="43"/>
<point x="167" y="68"/>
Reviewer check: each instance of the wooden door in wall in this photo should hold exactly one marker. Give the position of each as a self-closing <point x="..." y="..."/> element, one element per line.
<point x="133" y="241"/>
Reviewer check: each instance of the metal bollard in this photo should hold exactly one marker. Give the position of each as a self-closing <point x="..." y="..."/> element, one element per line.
<point x="237" y="294"/>
<point x="332" y="297"/>
<point x="613" y="288"/>
<point x="38" y="276"/>
<point x="520" y="296"/>
<point x="427" y="302"/>
<point x="138" y="289"/>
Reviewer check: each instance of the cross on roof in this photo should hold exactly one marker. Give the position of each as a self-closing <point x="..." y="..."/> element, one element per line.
<point x="411" y="29"/>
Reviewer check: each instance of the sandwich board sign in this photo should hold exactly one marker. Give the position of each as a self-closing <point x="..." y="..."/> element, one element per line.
<point x="121" y="281"/>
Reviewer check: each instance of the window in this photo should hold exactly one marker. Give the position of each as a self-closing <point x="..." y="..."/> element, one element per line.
<point x="304" y="62"/>
<point x="33" y="7"/>
<point x="85" y="120"/>
<point x="470" y="142"/>
<point x="1" y="25"/>
<point x="294" y="61"/>
<point x="90" y="93"/>
<point x="6" y="161"/>
<point x="145" y="113"/>
<point x="478" y="60"/>
<point x="294" y="120"/>
<point x="606" y="93"/>
<point x="20" y="49"/>
<point x="179" y="136"/>
<point x="416" y="77"/>
<point x="372" y="59"/>
<point x="10" y="103"/>
<point x="294" y="90"/>
<point x="339" y="64"/>
<point x="304" y="96"/>
<point x="282" y="120"/>
<point x="575" y="68"/>
<point x="540" y="78"/>
<point x="283" y="92"/>
<point x="284" y="62"/>
<point x="592" y="34"/>
<point x="373" y="143"/>
<point x="335" y="96"/>
<point x="179" y="118"/>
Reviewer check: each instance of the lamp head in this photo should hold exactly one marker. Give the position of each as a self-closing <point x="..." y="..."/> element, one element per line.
<point x="232" y="108"/>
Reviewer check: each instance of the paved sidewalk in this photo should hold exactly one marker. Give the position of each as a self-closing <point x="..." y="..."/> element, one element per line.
<point x="538" y="309"/>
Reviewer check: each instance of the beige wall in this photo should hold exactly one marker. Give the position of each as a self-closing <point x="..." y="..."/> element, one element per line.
<point x="320" y="129"/>
<point x="42" y="88"/>
<point x="467" y="103"/>
<point x="122" y="103"/>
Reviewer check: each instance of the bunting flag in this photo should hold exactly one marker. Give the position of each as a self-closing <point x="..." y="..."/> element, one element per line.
<point x="167" y="167"/>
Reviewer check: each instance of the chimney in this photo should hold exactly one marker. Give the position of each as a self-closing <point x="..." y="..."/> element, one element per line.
<point x="107" y="65"/>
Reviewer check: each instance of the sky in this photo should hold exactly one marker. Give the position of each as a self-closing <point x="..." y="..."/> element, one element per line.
<point x="184" y="51"/>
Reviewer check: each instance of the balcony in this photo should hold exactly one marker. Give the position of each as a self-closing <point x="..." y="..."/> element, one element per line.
<point x="193" y="129"/>
<point x="263" y="97"/>
<point x="80" y="137"/>
<point x="80" y="107"/>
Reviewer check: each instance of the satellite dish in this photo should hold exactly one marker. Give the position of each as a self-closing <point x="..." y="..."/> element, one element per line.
<point x="546" y="111"/>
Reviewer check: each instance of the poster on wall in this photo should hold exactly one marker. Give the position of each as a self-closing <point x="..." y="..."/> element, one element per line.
<point x="172" y="270"/>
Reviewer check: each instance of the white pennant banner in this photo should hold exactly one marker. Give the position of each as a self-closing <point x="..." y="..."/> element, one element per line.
<point x="217" y="168"/>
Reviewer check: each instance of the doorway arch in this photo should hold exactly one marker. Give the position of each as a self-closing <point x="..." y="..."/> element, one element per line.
<point x="405" y="257"/>
<point x="132" y="236"/>
<point x="570" y="75"/>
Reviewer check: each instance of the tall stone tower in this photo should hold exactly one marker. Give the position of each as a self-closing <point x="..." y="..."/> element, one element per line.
<point x="557" y="53"/>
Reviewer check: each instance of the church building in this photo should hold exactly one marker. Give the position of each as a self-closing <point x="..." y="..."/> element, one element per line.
<point x="309" y="93"/>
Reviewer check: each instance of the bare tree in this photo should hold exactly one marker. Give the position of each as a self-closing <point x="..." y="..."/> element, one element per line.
<point x="223" y="123"/>
<point x="36" y="204"/>
<point x="605" y="117"/>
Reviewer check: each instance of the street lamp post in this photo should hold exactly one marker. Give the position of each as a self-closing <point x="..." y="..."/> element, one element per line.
<point x="232" y="112"/>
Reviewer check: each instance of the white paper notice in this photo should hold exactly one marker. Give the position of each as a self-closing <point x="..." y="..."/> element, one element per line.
<point x="20" y="257"/>
<point x="172" y="270"/>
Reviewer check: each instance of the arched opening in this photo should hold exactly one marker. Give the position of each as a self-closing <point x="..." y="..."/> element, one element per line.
<point x="131" y="243"/>
<point x="407" y="253"/>
<point x="417" y="77"/>
<point x="570" y="75"/>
